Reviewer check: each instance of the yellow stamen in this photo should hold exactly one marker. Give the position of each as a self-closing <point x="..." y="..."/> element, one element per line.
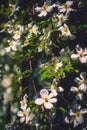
<point x="11" y="43"/>
<point x="61" y="18"/>
<point x="80" y="53"/>
<point x="44" y="7"/>
<point x="84" y="81"/>
<point x="53" y="86"/>
<point x="65" y="5"/>
<point x="31" y="31"/>
<point x="23" y="102"/>
<point x="55" y="65"/>
<point x="65" y="29"/>
<point x="12" y="6"/>
<point x="17" y="33"/>
<point x="77" y="113"/>
<point x="46" y="99"/>
<point x="24" y="113"/>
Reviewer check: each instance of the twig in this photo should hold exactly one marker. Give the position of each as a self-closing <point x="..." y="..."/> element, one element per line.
<point x="30" y="64"/>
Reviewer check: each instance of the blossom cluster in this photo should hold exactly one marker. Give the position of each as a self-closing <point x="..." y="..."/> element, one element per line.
<point x="58" y="18"/>
<point x="75" y="115"/>
<point x="25" y="113"/>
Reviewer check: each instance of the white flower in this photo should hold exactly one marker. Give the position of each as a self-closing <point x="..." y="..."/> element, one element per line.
<point x="46" y="99"/>
<point x="76" y="116"/>
<point x="44" y="10"/>
<point x="54" y="89"/>
<point x="81" y="54"/>
<point x="12" y="46"/>
<point x="62" y="18"/>
<point x="79" y="90"/>
<point x="24" y="102"/>
<point x="30" y="118"/>
<point x="65" y="30"/>
<point x="57" y="66"/>
<point x="34" y="30"/>
<point x="25" y="115"/>
<point x="66" y="7"/>
<point x="82" y="80"/>
<point x="17" y="35"/>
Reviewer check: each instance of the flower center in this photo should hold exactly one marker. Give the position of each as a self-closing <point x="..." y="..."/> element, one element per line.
<point x="80" y="53"/>
<point x="56" y="65"/>
<point x="65" y="29"/>
<point x="77" y="113"/>
<point x="12" y="6"/>
<point x="46" y="99"/>
<point x="44" y="7"/>
<point x="11" y="43"/>
<point x="23" y="102"/>
<point x="24" y="113"/>
<point x="53" y="86"/>
<point x="17" y="33"/>
<point x="61" y="18"/>
<point x="84" y="81"/>
<point x="65" y="5"/>
<point x="32" y="31"/>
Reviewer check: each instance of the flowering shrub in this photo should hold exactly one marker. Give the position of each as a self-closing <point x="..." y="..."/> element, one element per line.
<point x="43" y="65"/>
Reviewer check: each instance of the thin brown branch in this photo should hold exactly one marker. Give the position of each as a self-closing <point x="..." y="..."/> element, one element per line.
<point x="30" y="64"/>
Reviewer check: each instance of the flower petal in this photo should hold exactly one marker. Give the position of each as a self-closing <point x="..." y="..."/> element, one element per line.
<point x="74" y="89"/>
<point x="22" y="119"/>
<point x="83" y="59"/>
<point x="38" y="9"/>
<point x="48" y="105"/>
<point x="83" y="111"/>
<point x="39" y="101"/>
<point x="53" y="100"/>
<point x="74" y="56"/>
<point x="7" y="49"/>
<point x="28" y="110"/>
<point x="20" y="113"/>
<point x="43" y="93"/>
<point x="43" y="13"/>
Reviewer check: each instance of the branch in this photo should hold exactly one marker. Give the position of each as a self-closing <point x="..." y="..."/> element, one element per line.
<point x="32" y="79"/>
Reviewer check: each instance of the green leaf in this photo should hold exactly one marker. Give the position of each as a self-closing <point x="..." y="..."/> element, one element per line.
<point x="62" y="109"/>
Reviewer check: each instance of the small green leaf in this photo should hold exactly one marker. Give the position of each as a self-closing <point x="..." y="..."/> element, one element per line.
<point x="62" y="109"/>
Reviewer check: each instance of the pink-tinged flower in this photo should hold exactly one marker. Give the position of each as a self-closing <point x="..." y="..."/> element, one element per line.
<point x="54" y="89"/>
<point x="82" y="80"/>
<point x="24" y="101"/>
<point x="33" y="30"/>
<point x="61" y="19"/>
<point x="79" y="91"/>
<point x="25" y="115"/>
<point x="12" y="46"/>
<point x="65" y="30"/>
<point x="76" y="116"/>
<point x="44" y="10"/>
<point x="66" y="7"/>
<point x="46" y="99"/>
<point x="81" y="54"/>
<point x="17" y="35"/>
